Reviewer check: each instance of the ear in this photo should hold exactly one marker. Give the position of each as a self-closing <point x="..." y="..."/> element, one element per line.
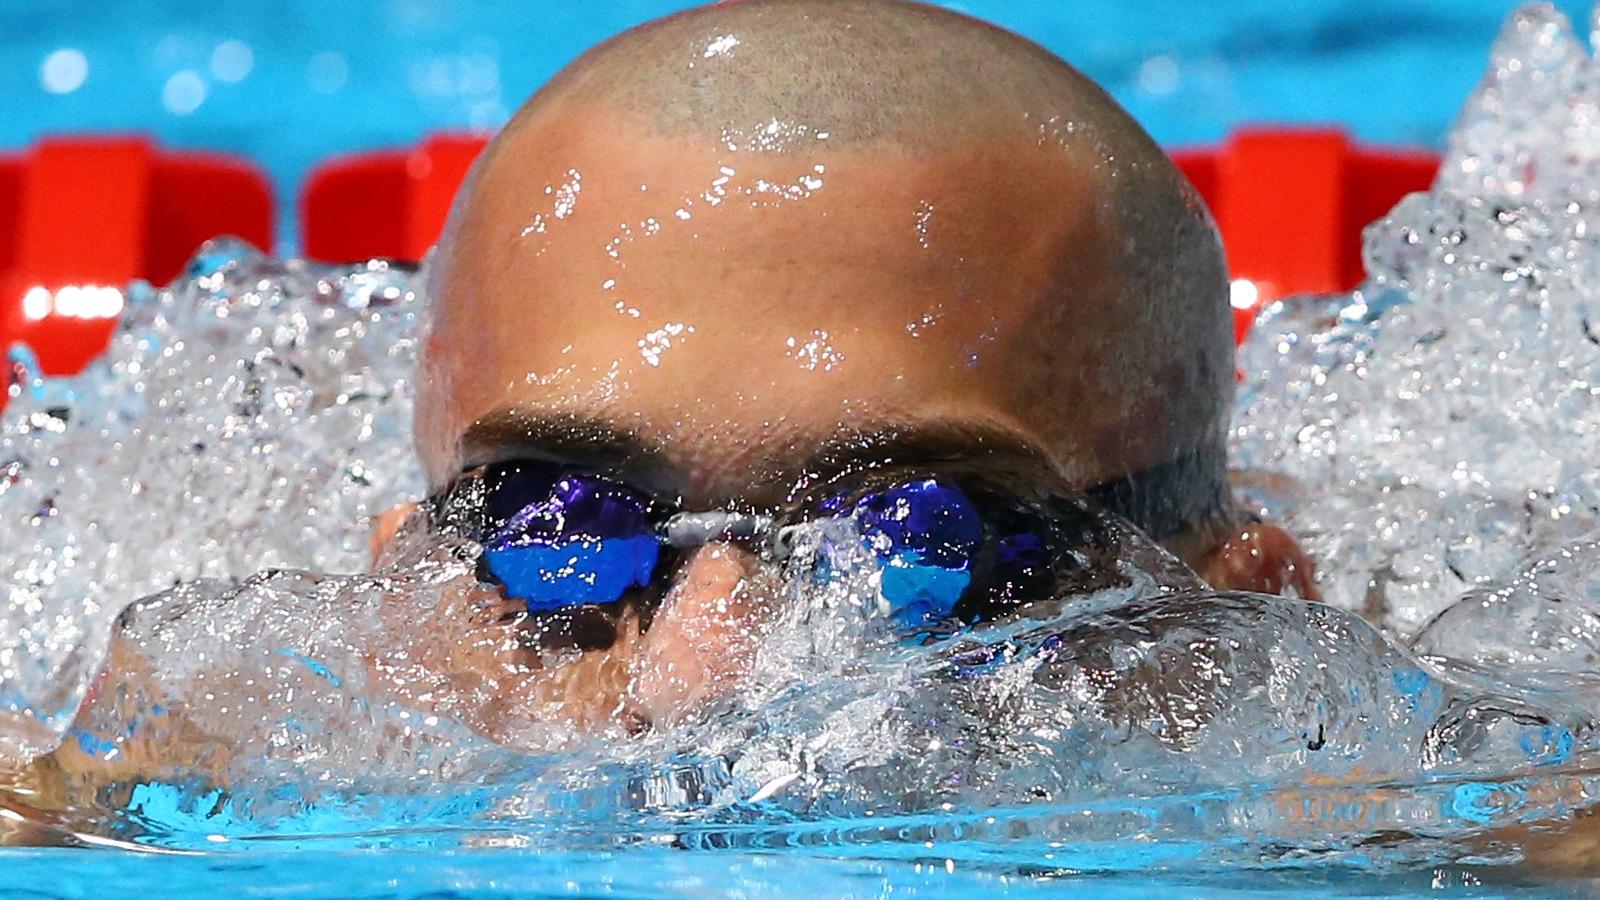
<point x="1261" y="557"/>
<point x="385" y="526"/>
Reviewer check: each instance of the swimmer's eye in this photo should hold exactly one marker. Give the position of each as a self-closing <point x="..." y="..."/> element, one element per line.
<point x="950" y="552"/>
<point x="558" y="540"/>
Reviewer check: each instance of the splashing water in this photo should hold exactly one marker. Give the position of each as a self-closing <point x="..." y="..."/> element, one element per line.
<point x="1427" y="437"/>
<point x="251" y="416"/>
<point x="1427" y="432"/>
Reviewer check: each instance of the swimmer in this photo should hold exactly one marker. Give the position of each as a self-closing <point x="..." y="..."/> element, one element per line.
<point x="769" y="261"/>
<point x="725" y="261"/>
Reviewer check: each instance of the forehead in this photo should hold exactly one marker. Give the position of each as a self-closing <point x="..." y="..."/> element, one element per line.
<point x="592" y="216"/>
<point x="732" y="304"/>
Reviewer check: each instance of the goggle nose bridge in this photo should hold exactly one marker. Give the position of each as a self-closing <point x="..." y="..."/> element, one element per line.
<point x="688" y="530"/>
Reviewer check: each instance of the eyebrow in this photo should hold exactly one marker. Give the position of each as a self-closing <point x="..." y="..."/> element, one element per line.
<point x="1162" y="499"/>
<point x="927" y="443"/>
<point x="583" y="440"/>
<point x="559" y="437"/>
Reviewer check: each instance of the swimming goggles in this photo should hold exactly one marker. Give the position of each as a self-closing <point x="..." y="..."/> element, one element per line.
<point x="952" y="547"/>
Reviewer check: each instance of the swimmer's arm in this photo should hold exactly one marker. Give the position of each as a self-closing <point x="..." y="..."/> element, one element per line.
<point x="385" y="527"/>
<point x="35" y="810"/>
<point x="28" y="790"/>
<point x="1556" y="849"/>
<point x="80" y="774"/>
<point x="28" y="793"/>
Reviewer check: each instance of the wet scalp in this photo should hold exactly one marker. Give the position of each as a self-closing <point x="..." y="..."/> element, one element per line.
<point x="895" y="79"/>
<point x="770" y="74"/>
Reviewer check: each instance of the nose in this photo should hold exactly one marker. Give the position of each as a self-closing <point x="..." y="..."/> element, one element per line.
<point x="702" y="642"/>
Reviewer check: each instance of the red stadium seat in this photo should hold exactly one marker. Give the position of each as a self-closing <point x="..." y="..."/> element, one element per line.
<point x="1291" y="204"/>
<point x="83" y="216"/>
<point x="390" y="203"/>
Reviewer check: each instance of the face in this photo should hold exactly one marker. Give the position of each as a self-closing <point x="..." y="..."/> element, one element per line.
<point x="630" y="326"/>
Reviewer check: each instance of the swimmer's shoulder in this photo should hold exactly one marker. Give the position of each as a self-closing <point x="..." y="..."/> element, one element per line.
<point x="22" y="823"/>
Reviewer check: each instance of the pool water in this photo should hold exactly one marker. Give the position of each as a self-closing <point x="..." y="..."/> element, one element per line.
<point x="1325" y="753"/>
<point x="648" y="872"/>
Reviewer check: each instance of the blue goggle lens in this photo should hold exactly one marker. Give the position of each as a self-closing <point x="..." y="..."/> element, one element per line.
<point x="569" y="541"/>
<point x="927" y="535"/>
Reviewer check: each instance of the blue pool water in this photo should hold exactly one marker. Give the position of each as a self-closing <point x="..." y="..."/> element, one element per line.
<point x="291" y="82"/>
<point x="653" y="873"/>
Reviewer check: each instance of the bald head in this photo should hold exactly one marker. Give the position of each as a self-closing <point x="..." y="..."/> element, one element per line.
<point x="856" y="73"/>
<point x="740" y="233"/>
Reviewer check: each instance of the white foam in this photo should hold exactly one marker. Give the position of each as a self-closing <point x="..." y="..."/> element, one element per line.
<point x="1426" y="433"/>
<point x="254" y="415"/>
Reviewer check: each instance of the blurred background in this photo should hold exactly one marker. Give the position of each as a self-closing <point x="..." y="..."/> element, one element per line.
<point x="291" y="82"/>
